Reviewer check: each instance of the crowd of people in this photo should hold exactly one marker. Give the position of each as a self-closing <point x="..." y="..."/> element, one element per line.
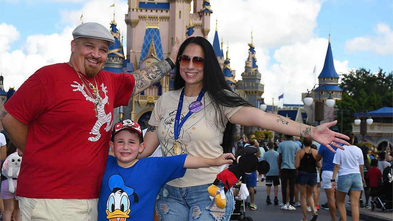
<point x="304" y="169"/>
<point x="65" y="128"/>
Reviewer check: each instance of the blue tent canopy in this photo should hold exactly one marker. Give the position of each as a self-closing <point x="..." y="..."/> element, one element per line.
<point x="382" y="112"/>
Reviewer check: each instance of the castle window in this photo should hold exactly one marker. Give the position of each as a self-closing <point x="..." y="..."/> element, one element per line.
<point x="179" y="14"/>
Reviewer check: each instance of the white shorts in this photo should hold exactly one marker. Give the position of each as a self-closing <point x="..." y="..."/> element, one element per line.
<point x="58" y="209"/>
<point x="326" y="177"/>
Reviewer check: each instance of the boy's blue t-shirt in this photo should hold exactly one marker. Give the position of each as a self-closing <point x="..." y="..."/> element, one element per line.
<point x="131" y="193"/>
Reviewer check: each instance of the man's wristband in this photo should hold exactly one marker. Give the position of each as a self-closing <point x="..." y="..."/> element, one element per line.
<point x="170" y="63"/>
<point x="333" y="180"/>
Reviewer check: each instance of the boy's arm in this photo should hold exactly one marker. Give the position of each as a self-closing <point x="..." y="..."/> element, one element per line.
<point x="198" y="162"/>
<point x="151" y="142"/>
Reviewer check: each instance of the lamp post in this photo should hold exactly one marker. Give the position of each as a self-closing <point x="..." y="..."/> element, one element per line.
<point x="364" y="123"/>
<point x="319" y="105"/>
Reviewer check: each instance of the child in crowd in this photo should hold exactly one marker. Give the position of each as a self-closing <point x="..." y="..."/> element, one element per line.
<point x="374" y="175"/>
<point x="130" y="186"/>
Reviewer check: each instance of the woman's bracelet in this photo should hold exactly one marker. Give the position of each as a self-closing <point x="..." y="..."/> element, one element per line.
<point x="333" y="180"/>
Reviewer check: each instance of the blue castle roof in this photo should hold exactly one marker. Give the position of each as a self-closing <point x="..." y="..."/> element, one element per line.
<point x="116" y="53"/>
<point x="152" y="34"/>
<point x="328" y="70"/>
<point x="216" y="46"/>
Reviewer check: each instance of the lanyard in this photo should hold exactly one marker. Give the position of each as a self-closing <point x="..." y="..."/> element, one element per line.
<point x="178" y="123"/>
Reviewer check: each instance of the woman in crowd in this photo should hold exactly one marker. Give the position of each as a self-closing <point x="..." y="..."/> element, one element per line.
<point x="307" y="165"/>
<point x="349" y="167"/>
<point x="199" y="118"/>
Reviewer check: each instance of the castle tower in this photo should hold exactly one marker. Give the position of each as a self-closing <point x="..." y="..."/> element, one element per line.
<point x="229" y="77"/>
<point x="251" y="78"/>
<point x="327" y="86"/>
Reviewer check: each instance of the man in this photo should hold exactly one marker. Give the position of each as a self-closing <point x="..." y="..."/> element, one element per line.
<point x="272" y="178"/>
<point x="287" y="150"/>
<point x="327" y="173"/>
<point x="61" y="119"/>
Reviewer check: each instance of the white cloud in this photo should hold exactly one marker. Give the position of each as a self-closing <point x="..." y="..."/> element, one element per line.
<point x="8" y="34"/>
<point x="282" y="29"/>
<point x="381" y="43"/>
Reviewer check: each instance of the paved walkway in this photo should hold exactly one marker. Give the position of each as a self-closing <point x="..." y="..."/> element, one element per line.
<point x="273" y="213"/>
<point x="376" y="215"/>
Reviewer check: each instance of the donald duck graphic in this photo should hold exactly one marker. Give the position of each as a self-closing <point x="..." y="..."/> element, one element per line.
<point x="118" y="205"/>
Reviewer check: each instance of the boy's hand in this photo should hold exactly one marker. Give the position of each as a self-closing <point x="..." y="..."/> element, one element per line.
<point x="226" y="158"/>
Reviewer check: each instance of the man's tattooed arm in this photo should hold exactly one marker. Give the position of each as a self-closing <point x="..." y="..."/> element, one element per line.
<point x="146" y="77"/>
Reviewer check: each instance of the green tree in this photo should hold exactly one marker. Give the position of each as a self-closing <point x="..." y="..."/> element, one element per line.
<point x="363" y="91"/>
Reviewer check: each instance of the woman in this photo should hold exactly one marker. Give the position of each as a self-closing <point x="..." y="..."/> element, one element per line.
<point x="349" y="166"/>
<point x="307" y="176"/>
<point x="199" y="118"/>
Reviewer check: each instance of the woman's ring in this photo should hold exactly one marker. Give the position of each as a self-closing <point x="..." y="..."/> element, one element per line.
<point x="332" y="143"/>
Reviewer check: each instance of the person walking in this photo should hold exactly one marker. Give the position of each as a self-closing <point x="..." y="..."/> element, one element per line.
<point x="287" y="151"/>
<point x="326" y="176"/>
<point x="349" y="168"/>
<point x="307" y="165"/>
<point x="63" y="128"/>
<point x="272" y="178"/>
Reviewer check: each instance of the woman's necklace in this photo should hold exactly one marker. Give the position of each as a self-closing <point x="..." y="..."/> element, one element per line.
<point x="194" y="107"/>
<point x="95" y="96"/>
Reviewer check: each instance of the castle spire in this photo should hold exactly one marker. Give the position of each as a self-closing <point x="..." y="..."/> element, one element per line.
<point x="216" y="45"/>
<point x="328" y="70"/>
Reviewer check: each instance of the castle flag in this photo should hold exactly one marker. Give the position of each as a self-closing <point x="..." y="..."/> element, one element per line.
<point x="281" y="97"/>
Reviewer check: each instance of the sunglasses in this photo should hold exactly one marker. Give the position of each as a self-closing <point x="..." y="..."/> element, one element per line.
<point x="196" y="61"/>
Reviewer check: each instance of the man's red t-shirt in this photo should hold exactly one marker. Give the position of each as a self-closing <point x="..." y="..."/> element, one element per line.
<point x="67" y="144"/>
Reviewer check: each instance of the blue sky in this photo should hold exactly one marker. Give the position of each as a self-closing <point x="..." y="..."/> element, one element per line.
<point x="290" y="36"/>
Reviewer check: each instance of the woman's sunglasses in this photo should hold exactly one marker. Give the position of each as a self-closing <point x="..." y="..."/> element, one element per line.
<point x="197" y="61"/>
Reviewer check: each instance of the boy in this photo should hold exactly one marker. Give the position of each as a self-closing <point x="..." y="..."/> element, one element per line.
<point x="130" y="186"/>
<point x="374" y="175"/>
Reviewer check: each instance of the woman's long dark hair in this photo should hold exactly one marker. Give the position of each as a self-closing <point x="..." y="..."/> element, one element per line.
<point x="216" y="86"/>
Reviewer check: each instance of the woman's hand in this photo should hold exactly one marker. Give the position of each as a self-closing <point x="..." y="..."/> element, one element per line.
<point x="323" y="135"/>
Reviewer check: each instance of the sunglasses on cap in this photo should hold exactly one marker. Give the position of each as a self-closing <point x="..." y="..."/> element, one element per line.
<point x="196" y="61"/>
<point x="127" y="124"/>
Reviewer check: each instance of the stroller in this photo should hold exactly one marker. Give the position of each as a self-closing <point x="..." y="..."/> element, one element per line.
<point x="384" y="199"/>
<point x="239" y="213"/>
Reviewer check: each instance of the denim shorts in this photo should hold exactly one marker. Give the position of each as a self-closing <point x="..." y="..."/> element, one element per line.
<point x="306" y="178"/>
<point x="191" y="203"/>
<point x="348" y="182"/>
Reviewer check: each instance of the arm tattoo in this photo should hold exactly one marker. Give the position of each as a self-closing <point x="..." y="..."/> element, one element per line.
<point x="3" y="113"/>
<point x="307" y="131"/>
<point x="283" y="121"/>
<point x="151" y="128"/>
<point x="144" y="78"/>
